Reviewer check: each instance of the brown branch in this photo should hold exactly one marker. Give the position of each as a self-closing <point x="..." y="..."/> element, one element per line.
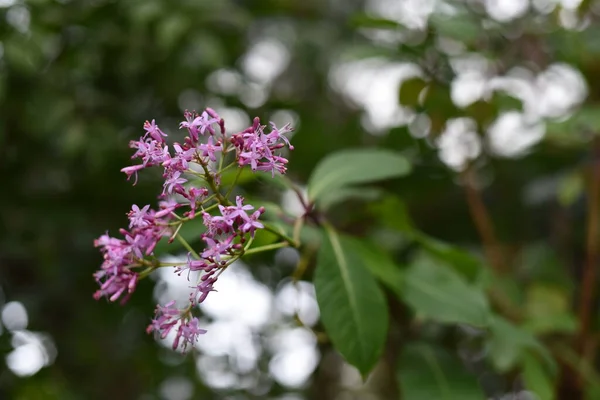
<point x="491" y="245"/>
<point x="588" y="284"/>
<point x="483" y="222"/>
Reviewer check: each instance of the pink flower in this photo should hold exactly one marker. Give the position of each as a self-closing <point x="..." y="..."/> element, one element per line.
<point x="154" y="131"/>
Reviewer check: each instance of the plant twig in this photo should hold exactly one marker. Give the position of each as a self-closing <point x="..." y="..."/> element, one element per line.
<point x="483" y="222"/>
<point x="588" y="284"/>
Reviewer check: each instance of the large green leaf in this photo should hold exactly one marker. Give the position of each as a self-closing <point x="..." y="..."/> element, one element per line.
<point x="353" y="308"/>
<point x="378" y="263"/>
<point x="427" y="372"/>
<point x="437" y="291"/>
<point x="355" y="166"/>
<point x="462" y="261"/>
<point x="331" y="198"/>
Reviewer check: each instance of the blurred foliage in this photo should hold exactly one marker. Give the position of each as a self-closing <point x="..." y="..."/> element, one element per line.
<point x="78" y="78"/>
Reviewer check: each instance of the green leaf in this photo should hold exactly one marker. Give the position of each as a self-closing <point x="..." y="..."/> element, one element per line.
<point x="392" y="213"/>
<point x="366" y="21"/>
<point x="436" y="291"/>
<point x="570" y="188"/>
<point x="332" y="198"/>
<point x="355" y="166"/>
<point x="410" y="91"/>
<point x="536" y="379"/>
<point x="190" y="231"/>
<point x="576" y="129"/>
<point x="378" y="263"/>
<point x="508" y="343"/>
<point x="460" y="27"/>
<point x="468" y="265"/>
<point x="353" y="308"/>
<point x="427" y="372"/>
<point x="548" y="310"/>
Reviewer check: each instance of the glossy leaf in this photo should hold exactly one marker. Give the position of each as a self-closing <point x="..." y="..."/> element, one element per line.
<point x="428" y="372"/>
<point x="378" y="263"/>
<point x="353" y="308"/>
<point x="436" y="291"/>
<point x="355" y="166"/>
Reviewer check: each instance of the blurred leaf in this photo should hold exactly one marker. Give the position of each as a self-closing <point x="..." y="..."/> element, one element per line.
<point x="509" y="343"/>
<point x="570" y="188"/>
<point x="468" y="265"/>
<point x="366" y="21"/>
<point x="353" y="308"/>
<point x="505" y="102"/>
<point x="577" y="128"/>
<point x="427" y="372"/>
<point x="548" y="310"/>
<point x="330" y="199"/>
<point x="171" y="30"/>
<point x="190" y="231"/>
<point x="378" y="263"/>
<point x="355" y="166"/>
<point x="536" y="379"/>
<point x="439" y="106"/>
<point x="482" y="112"/>
<point x="23" y="54"/>
<point x="410" y="91"/>
<point x="459" y="26"/>
<point x="438" y="292"/>
<point x="392" y="213"/>
<point x="244" y="176"/>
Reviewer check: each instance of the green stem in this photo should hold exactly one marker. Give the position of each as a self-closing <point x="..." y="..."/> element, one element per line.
<point x="187" y="246"/>
<point x="267" y="247"/>
<point x="146" y="272"/>
<point x="282" y="235"/>
<point x="211" y="182"/>
<point x="237" y="176"/>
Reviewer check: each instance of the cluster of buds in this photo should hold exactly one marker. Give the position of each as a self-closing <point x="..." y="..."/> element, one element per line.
<point x="228" y="233"/>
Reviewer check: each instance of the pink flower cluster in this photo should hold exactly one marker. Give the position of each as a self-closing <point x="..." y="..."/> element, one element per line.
<point x="147" y="227"/>
<point x="226" y="234"/>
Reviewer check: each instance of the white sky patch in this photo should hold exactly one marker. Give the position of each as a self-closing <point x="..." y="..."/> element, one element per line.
<point x="298" y="298"/>
<point x="236" y="119"/>
<point x="512" y="134"/>
<point x="224" y="81"/>
<point x="291" y="204"/>
<point x="7" y="3"/>
<point x="32" y="351"/>
<point x="459" y="143"/>
<point x="506" y="10"/>
<point x="372" y="85"/>
<point x="411" y="13"/>
<point x="265" y="60"/>
<point x="295" y="357"/>
<point x="242" y="309"/>
<point x="176" y="388"/>
<point x="19" y="17"/>
<point x="559" y="89"/>
<point x="240" y="298"/>
<point x="14" y="316"/>
<point x="467" y="88"/>
<point x="253" y="94"/>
